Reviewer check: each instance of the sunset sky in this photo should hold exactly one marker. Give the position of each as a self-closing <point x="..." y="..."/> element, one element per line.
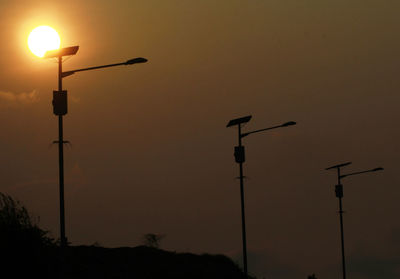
<point x="150" y="152"/>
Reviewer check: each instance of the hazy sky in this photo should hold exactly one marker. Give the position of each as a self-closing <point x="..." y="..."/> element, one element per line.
<point x="150" y="152"/>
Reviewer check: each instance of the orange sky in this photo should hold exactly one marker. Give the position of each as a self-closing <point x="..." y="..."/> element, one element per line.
<point x="150" y="152"/>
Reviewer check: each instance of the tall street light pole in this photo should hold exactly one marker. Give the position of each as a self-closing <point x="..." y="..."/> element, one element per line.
<point x="339" y="195"/>
<point x="60" y="108"/>
<point x="240" y="158"/>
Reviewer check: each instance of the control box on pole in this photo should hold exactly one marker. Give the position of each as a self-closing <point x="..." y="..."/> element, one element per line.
<point x="239" y="154"/>
<point x="60" y="106"/>
<point x="339" y="191"/>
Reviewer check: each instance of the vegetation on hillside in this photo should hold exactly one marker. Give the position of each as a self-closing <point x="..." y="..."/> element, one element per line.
<point x="29" y="252"/>
<point x="23" y="244"/>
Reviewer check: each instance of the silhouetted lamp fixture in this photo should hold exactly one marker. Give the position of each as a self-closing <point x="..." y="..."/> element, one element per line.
<point x="339" y="195"/>
<point x="240" y="159"/>
<point x="60" y="108"/>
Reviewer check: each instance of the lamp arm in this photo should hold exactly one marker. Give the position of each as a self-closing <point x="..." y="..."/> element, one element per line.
<point x="260" y="130"/>
<point x="360" y="172"/>
<point x="68" y="73"/>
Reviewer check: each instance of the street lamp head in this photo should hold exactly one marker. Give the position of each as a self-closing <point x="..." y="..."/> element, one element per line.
<point x="377" y="169"/>
<point x="239" y="121"/>
<point x="66" y="51"/>
<point x="290" y="123"/>
<point x="136" y="60"/>
<point x="338" y="166"/>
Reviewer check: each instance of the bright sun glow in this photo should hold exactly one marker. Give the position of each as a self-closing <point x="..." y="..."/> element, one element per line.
<point x="42" y="39"/>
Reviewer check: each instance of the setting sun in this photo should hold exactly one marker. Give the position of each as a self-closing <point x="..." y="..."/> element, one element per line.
<point x="42" y="39"/>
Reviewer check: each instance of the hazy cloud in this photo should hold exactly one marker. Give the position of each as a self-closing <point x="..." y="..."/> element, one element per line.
<point x="374" y="267"/>
<point x="22" y="98"/>
<point x="379" y="261"/>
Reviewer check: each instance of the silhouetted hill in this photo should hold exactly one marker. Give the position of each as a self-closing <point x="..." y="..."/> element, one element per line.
<point x="27" y="252"/>
<point x="138" y="262"/>
<point x="145" y="262"/>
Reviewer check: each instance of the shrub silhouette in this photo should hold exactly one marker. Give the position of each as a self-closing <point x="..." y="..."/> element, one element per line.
<point x="16" y="226"/>
<point x="22" y="242"/>
<point x="152" y="240"/>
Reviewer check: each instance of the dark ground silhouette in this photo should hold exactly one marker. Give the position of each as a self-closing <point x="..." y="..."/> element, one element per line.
<point x="27" y="252"/>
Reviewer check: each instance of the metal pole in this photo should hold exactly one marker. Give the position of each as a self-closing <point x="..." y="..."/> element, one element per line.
<point x="61" y="162"/>
<point x="339" y="194"/>
<point x="242" y="208"/>
<point x="342" y="235"/>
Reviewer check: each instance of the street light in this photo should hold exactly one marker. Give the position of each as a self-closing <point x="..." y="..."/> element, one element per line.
<point x="240" y="158"/>
<point x="60" y="108"/>
<point x="339" y="195"/>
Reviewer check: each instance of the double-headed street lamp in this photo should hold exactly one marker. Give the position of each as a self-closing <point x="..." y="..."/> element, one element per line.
<point x="60" y="108"/>
<point x="339" y="195"/>
<point x="240" y="158"/>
